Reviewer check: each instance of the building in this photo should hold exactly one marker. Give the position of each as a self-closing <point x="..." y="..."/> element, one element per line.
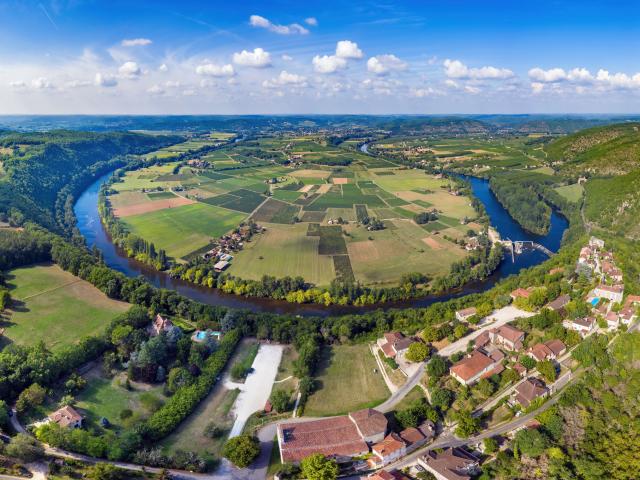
<point x="67" y="417"/>
<point x="159" y="325"/>
<point x="520" y="293"/>
<point x="394" y="344"/>
<point x="415" y="437"/>
<point x="465" y="314"/>
<point x="627" y="314"/>
<point x="549" y="350"/>
<point x="340" y="438"/>
<point x="450" y="464"/>
<point x="392" y="475"/>
<point x="221" y="266"/>
<point x="558" y="304"/>
<point x="614" y="293"/>
<point x="596" y="242"/>
<point x="613" y="320"/>
<point x="611" y="271"/>
<point x="584" y="326"/>
<point x="507" y="336"/>
<point x="529" y="390"/>
<point x="475" y="366"/>
<point x="390" y="449"/>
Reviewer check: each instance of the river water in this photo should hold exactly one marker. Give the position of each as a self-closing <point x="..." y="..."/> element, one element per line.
<point x="86" y="210"/>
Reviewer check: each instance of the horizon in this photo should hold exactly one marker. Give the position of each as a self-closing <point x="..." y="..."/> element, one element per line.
<point x="363" y="58"/>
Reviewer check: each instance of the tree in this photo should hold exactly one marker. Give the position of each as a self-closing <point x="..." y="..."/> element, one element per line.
<point x="319" y="467"/>
<point x="530" y="442"/>
<point x="437" y="366"/>
<point x="490" y="445"/>
<point x="25" y="447"/>
<point x="418" y="352"/>
<point x="528" y="362"/>
<point x="548" y="370"/>
<point x="459" y="331"/>
<point x="467" y="425"/>
<point x="442" y="398"/>
<point x="104" y="471"/>
<point x="30" y="397"/>
<point x="241" y="450"/>
<point x="280" y="401"/>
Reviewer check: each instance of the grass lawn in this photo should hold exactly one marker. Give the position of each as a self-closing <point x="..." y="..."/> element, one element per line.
<point x="184" y="229"/>
<point x="573" y="193"/>
<point x="346" y="381"/>
<point x="53" y="306"/>
<point x="283" y="250"/>
<point x="108" y="397"/>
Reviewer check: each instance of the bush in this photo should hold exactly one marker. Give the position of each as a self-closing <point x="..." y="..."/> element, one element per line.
<point x="25" y="447"/>
<point x="418" y="352"/>
<point x="211" y="430"/>
<point x="242" y="450"/>
<point x="126" y="413"/>
<point x="319" y="467"/>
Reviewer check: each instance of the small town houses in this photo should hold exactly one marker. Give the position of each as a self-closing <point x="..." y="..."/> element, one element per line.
<point x="223" y="248"/>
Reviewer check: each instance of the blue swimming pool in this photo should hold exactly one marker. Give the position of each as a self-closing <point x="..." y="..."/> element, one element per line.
<point x="201" y="335"/>
<point x="595" y="301"/>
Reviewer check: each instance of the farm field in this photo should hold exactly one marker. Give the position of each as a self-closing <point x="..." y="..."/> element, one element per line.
<point x="573" y="193"/>
<point x="182" y="208"/>
<point x="53" y="306"/>
<point x="346" y="381"/>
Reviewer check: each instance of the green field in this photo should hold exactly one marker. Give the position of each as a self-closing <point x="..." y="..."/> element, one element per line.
<point x="184" y="229"/>
<point x="346" y="381"/>
<point x="53" y="306"/>
<point x="573" y="193"/>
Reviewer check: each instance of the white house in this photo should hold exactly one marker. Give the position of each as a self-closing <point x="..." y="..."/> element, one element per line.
<point x="614" y="293"/>
<point x="584" y="326"/>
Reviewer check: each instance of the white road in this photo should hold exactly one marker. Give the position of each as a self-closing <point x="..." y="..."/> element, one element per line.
<point x="256" y="389"/>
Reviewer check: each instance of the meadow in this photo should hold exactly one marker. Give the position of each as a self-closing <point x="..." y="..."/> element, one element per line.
<point x="53" y="306"/>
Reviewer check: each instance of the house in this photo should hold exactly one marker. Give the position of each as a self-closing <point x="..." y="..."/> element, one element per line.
<point x="584" y="326"/>
<point x="549" y="350"/>
<point x="613" y="320"/>
<point x="450" y="464"/>
<point x="340" y="438"/>
<point x="611" y="271"/>
<point x="627" y="315"/>
<point x="159" y="325"/>
<point x="558" y="304"/>
<point x="415" y="437"/>
<point x="221" y="266"/>
<point x="507" y="336"/>
<point x="474" y="366"/>
<point x="472" y="244"/>
<point x="596" y="242"/>
<point x="520" y="293"/>
<point x="67" y="417"/>
<point x="384" y="475"/>
<point x="614" y="293"/>
<point x="520" y="369"/>
<point x="394" y="344"/>
<point x="529" y="390"/>
<point x="389" y="450"/>
<point x="553" y="271"/>
<point x="465" y="314"/>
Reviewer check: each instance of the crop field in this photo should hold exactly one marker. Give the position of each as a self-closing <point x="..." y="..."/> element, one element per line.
<point x="53" y="306"/>
<point x="181" y="230"/>
<point x="573" y="193"/>
<point x="346" y="381"/>
<point x="274" y="211"/>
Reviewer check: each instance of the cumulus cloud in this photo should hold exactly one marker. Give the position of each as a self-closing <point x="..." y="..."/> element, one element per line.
<point x="313" y="21"/>
<point x="547" y="76"/>
<point x="105" y="80"/>
<point x="537" y="87"/>
<point x="348" y="49"/>
<point x="286" y="58"/>
<point x="582" y="78"/>
<point x="163" y="67"/>
<point x="383" y="64"/>
<point x="422" y="92"/>
<point x="286" y="78"/>
<point x="292" y="29"/>
<point x="130" y="70"/>
<point x="457" y="69"/>
<point x="18" y="84"/>
<point x="41" y="83"/>
<point x="328" y="63"/>
<point x="214" y="70"/>
<point x="155" y="90"/>
<point x="259" y="58"/>
<point x="135" y="42"/>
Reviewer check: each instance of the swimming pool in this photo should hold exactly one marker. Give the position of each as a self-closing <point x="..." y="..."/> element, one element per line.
<point x="595" y="301"/>
<point x="201" y="335"/>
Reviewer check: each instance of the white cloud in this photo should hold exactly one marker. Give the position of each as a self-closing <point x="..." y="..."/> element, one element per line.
<point x="135" y="42"/>
<point x="286" y="58"/>
<point x="292" y="29"/>
<point x="105" y="80"/>
<point x="457" y="69"/>
<point x="286" y="78"/>
<point x="451" y="83"/>
<point x="537" y="87"/>
<point x="130" y="70"/>
<point x="348" y="49"/>
<point x="580" y="75"/>
<point x="582" y="78"/>
<point x="77" y="84"/>
<point x="383" y="64"/>
<point x="547" y="76"/>
<point x="172" y="84"/>
<point x="313" y="21"/>
<point x="422" y="92"/>
<point x="214" y="70"/>
<point x="259" y="58"/>
<point x="328" y="63"/>
<point x="41" y="83"/>
<point x="18" y="84"/>
<point x="155" y="90"/>
<point x="471" y="89"/>
<point x="163" y="67"/>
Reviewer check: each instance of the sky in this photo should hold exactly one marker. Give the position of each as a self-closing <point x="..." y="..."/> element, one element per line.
<point x="315" y="57"/>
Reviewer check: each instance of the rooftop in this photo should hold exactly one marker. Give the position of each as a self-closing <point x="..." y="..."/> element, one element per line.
<point x="470" y="366"/>
<point x="369" y="421"/>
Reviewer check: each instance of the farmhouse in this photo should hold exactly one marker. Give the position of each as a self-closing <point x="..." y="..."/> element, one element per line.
<point x="67" y="417"/>
<point x="221" y="266"/>
<point x="559" y="303"/>
<point x="465" y="314"/>
<point x="476" y="365"/>
<point x="612" y="292"/>
<point x="584" y="326"/>
<point x="450" y="464"/>
<point x="340" y="438"/>
<point x="596" y="242"/>
<point x="415" y="437"/>
<point x="384" y="475"/>
<point x="549" y="350"/>
<point x="159" y="325"/>
<point x="627" y="315"/>
<point x="394" y="344"/>
<point x="529" y="390"/>
<point x="389" y="450"/>
<point x="507" y="336"/>
<point x="520" y="293"/>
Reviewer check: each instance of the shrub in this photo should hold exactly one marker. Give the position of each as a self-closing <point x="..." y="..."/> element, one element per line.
<point x="241" y="450"/>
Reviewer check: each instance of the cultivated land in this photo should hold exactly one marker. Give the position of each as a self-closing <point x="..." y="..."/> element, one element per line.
<point x="53" y="306"/>
<point x="346" y="381"/>
<point x="318" y="184"/>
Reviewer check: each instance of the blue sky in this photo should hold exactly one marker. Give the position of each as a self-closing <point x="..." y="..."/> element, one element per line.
<point x="455" y="56"/>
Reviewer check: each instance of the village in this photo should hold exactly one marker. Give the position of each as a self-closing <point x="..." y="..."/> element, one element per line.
<point x="223" y="248"/>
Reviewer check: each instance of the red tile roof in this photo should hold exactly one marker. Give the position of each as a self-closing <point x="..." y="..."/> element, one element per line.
<point x="369" y="422"/>
<point x="509" y="333"/>
<point x="529" y="390"/>
<point x="521" y="292"/>
<point x="390" y="445"/>
<point x="556" y="346"/>
<point x="470" y="366"/>
<point x="65" y="416"/>
<point x="452" y="463"/>
<point x="411" y="435"/>
<point x="329" y="436"/>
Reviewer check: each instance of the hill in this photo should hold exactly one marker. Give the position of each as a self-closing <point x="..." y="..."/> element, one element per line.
<point x="609" y="150"/>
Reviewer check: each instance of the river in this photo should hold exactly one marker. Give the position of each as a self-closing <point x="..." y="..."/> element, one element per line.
<point x="89" y="224"/>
